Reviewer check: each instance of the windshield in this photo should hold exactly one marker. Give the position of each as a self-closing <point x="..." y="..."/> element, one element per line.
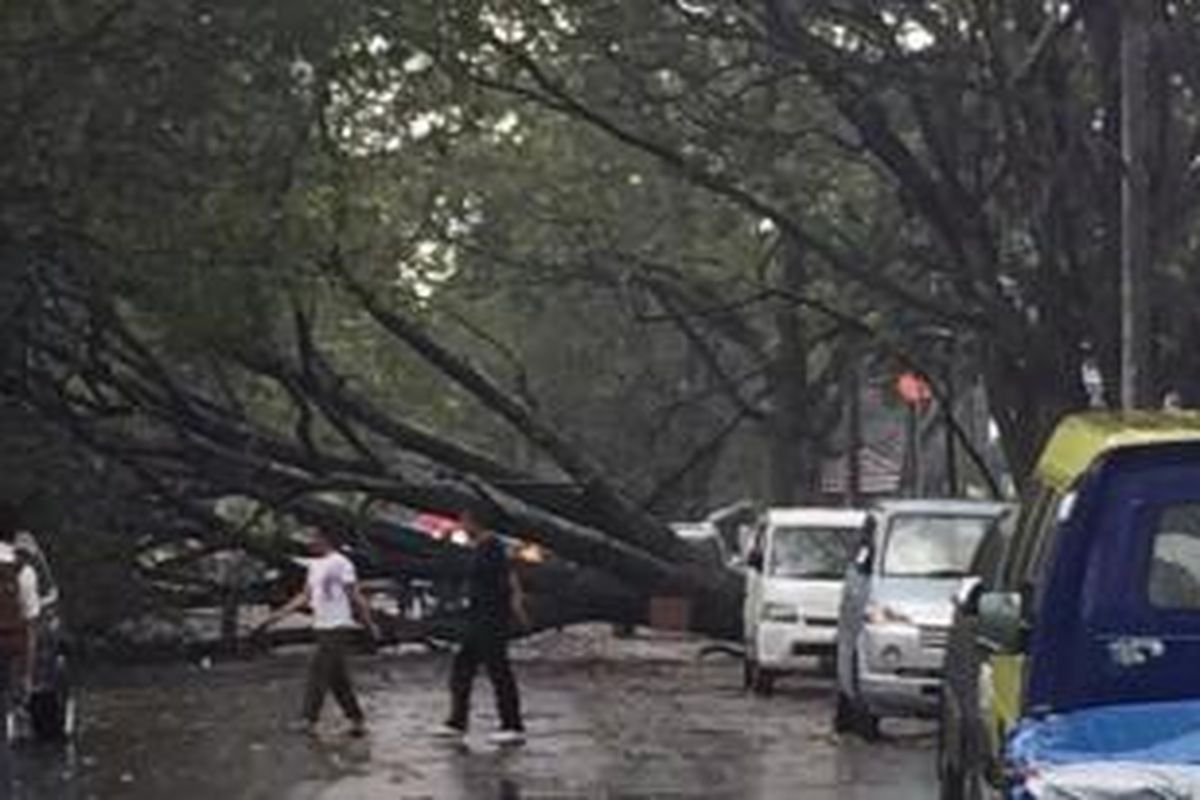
<point x="819" y="553"/>
<point x="932" y="546"/>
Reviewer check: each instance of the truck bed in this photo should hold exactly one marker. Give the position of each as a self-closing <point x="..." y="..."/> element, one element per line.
<point x="1125" y="752"/>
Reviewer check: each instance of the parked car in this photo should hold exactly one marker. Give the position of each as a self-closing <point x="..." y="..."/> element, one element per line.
<point x="1088" y="634"/>
<point x="796" y="564"/>
<point x="705" y="538"/>
<point x="50" y="708"/>
<point x="897" y="604"/>
<point x="962" y="732"/>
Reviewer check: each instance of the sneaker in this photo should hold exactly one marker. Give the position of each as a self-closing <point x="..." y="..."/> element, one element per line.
<point x="357" y="730"/>
<point x="448" y="731"/>
<point x="507" y="737"/>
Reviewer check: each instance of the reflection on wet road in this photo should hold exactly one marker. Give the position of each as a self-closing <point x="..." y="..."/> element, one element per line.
<point x="607" y="719"/>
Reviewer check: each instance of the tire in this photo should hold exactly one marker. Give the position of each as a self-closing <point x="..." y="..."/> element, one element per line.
<point x="863" y="722"/>
<point x="843" y="715"/>
<point x="748" y="670"/>
<point x="50" y="715"/>
<point x="868" y="726"/>
<point x="974" y="786"/>
<point x="52" y="708"/>
<point x="827" y="666"/>
<point x="949" y="770"/>
<point x="951" y="785"/>
<point x="764" y="682"/>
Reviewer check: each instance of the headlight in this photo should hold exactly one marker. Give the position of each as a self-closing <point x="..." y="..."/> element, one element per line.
<point x="780" y="612"/>
<point x="886" y="615"/>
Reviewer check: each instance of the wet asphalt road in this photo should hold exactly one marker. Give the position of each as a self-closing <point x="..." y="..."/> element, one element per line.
<point x="608" y="719"/>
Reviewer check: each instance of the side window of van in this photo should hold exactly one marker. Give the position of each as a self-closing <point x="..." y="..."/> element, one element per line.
<point x="1174" y="580"/>
<point x="989" y="561"/>
<point x="1061" y="508"/>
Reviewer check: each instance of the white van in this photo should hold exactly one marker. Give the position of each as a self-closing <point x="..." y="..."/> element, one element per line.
<point x="796" y="563"/>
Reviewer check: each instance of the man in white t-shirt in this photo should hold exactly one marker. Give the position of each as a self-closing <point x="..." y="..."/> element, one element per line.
<point x="20" y="607"/>
<point x="331" y="592"/>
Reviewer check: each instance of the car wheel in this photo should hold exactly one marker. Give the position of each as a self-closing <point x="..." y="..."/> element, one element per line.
<point x="868" y="726"/>
<point x="764" y="682"/>
<point x="951" y="786"/>
<point x="51" y="715"/>
<point x="974" y="786"/>
<point x="948" y="769"/>
<point x="864" y="723"/>
<point x="950" y="777"/>
<point x="843" y="715"/>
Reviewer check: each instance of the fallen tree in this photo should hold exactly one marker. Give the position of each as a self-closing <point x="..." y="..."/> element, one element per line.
<point x="89" y="370"/>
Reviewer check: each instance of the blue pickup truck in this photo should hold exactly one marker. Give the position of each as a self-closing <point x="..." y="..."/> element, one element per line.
<point x="1087" y="674"/>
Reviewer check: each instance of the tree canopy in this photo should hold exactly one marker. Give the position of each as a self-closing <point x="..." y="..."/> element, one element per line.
<point x="606" y="261"/>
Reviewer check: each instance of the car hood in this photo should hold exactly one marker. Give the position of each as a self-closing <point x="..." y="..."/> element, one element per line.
<point x="926" y="601"/>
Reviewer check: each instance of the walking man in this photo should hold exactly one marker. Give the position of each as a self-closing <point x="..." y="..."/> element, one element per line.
<point x="20" y="607"/>
<point x="496" y="598"/>
<point x="331" y="591"/>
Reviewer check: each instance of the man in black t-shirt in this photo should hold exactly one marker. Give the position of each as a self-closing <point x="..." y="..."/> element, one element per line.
<point x="495" y="598"/>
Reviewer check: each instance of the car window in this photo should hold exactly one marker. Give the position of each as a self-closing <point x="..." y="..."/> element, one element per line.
<point x="990" y="558"/>
<point x="757" y="542"/>
<point x="1043" y="546"/>
<point x="811" y="552"/>
<point x="1029" y="528"/>
<point x="1174" y="580"/>
<point x="932" y="546"/>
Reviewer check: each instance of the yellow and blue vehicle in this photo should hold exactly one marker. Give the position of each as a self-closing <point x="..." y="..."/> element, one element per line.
<point x="1092" y="602"/>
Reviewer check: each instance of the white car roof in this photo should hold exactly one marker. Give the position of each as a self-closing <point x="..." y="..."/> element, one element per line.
<point x="816" y="517"/>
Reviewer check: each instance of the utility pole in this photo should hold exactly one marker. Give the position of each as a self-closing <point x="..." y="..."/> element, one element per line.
<point x="1135" y="205"/>
<point x="948" y="408"/>
<point x="854" y="447"/>
<point x="912" y="452"/>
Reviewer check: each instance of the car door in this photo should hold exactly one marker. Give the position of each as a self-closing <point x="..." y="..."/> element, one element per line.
<point x="966" y="658"/>
<point x="756" y="559"/>
<point x="1141" y="600"/>
<point x="1001" y="674"/>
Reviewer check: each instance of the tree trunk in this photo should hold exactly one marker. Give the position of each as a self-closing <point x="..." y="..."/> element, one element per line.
<point x="792" y="471"/>
<point x="1029" y="398"/>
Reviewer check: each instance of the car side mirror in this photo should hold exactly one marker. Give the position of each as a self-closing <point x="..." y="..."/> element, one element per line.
<point x="755" y="560"/>
<point x="863" y="560"/>
<point x="966" y="599"/>
<point x="1001" y="624"/>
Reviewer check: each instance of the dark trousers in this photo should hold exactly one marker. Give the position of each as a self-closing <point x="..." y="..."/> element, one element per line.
<point x="328" y="673"/>
<point x="488" y="647"/>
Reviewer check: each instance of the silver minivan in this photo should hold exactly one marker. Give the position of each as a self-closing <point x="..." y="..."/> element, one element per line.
<point x="897" y="604"/>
